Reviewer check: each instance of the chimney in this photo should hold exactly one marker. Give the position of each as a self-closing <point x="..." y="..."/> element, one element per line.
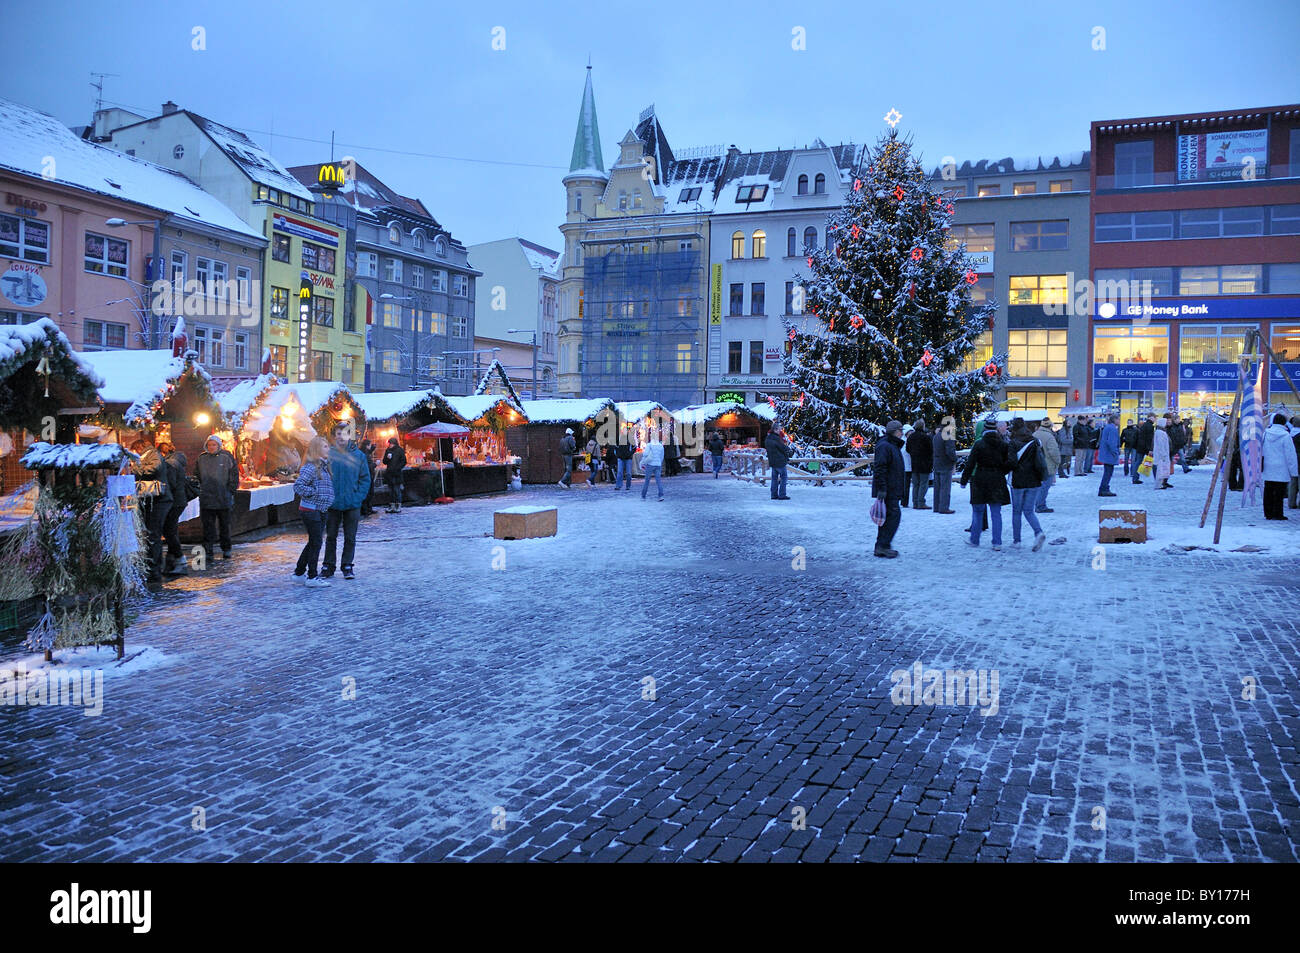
<point x="168" y="108"/>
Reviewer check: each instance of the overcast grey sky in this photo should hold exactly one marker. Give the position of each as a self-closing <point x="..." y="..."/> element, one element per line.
<point x="972" y="81"/>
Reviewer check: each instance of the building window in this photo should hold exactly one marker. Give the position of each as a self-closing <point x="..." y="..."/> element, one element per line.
<point x="103" y="335"/>
<point x="1038" y="289"/>
<point x="981" y="354"/>
<point x="1134" y="226"/>
<point x="322" y="311"/>
<point x="622" y="200"/>
<point x="577" y="202"/>
<point x="392" y="315"/>
<point x="1131" y="345"/>
<point x="244" y="285"/>
<point x="1134" y="163"/>
<point x="751" y="193"/>
<point x="737" y="299"/>
<point x="984" y="191"/>
<point x="1286" y="343"/>
<point x="317" y="257"/>
<point x="636" y="199"/>
<point x="1221" y="280"/>
<point x="733" y="357"/>
<point x="1221" y="222"/>
<point x="760" y="244"/>
<point x="438" y="281"/>
<point x="349" y="362"/>
<point x="789" y="297"/>
<point x="1212" y="344"/>
<point x="1038" y="352"/>
<point x="393" y="270"/>
<point x="1040" y="236"/>
<point x="460" y="286"/>
<point x="279" y="360"/>
<point x="1024" y="188"/>
<point x="367" y="264"/>
<point x="757" y="298"/>
<point x="978" y="238"/>
<point x="106" y="256"/>
<point x="1044" y="402"/>
<point x="280" y="247"/>
<point x="1284" y="219"/>
<point x="203" y="273"/>
<point x="802" y="187"/>
<point x="279" y="304"/>
<point x="390" y="362"/>
<point x="27" y="239"/>
<point x="790" y="238"/>
<point x="756" y="357"/>
<point x="1283" y="279"/>
<point x="689" y="195"/>
<point x="458" y="368"/>
<point x="683" y="359"/>
<point x="1059" y="185"/>
<point x="220" y="280"/>
<point x="394" y="234"/>
<point x="809" y="240"/>
<point x="459" y="326"/>
<point x="200" y="343"/>
<point x="417" y="241"/>
<point x="440" y="247"/>
<point x="737" y="244"/>
<point x="322" y="365"/>
<point x="20" y="317"/>
<point x="239" y="351"/>
<point x="179" y="269"/>
<point x="1115" y="283"/>
<point x="217" y="346"/>
<point x="819" y="184"/>
<point x="437" y="322"/>
<point x="417" y="276"/>
<point x="685" y="246"/>
<point x="955" y="192"/>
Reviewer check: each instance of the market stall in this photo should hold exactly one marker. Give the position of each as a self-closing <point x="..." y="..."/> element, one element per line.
<point x="483" y="459"/>
<point x="741" y="428"/>
<point x="538" y="441"/>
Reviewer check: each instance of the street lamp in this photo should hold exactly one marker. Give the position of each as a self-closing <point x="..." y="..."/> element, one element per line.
<point x="534" y="334"/>
<point x="157" y="255"/>
<point x="476" y="352"/>
<point x="415" y="339"/>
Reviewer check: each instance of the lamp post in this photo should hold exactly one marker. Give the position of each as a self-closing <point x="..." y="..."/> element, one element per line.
<point x="415" y="336"/>
<point x="476" y="352"/>
<point x="534" y="334"/>
<point x="157" y="254"/>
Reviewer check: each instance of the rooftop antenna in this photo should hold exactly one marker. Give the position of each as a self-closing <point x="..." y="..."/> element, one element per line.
<point x="99" y="89"/>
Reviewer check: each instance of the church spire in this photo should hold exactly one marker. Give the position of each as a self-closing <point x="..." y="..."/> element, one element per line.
<point x="586" y="142"/>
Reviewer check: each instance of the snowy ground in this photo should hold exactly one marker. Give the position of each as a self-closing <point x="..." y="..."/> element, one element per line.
<point x="504" y="682"/>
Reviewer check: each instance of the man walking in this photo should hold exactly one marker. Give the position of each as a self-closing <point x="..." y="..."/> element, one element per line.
<point x="943" y="454"/>
<point x="1028" y="470"/>
<point x="177" y="466"/>
<point x="1127" y="441"/>
<point x="920" y="447"/>
<point x="623" y="454"/>
<point x="1052" y="453"/>
<point x="716" y="447"/>
<point x="218" y="480"/>
<point x="1108" y="453"/>
<point x="778" y="457"/>
<point x="1178" y="439"/>
<point x="351" y="478"/>
<point x="1146" y="441"/>
<point x="652" y="462"/>
<point x="568" y="447"/>
<point x="887" y="485"/>
<point x="1065" y="442"/>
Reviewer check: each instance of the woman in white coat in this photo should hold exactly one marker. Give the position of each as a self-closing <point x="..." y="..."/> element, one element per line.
<point x="1162" y="466"/>
<point x="1280" y="466"/>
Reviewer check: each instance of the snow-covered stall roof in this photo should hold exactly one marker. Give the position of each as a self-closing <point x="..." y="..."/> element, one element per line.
<point x="385" y="405"/>
<point x="764" y="410"/>
<point x="22" y="343"/>
<point x="27" y="136"/>
<point x="566" y="410"/>
<point x="297" y="404"/>
<point x="475" y="408"/>
<point x="708" y="413"/>
<point x="75" y="456"/>
<point x="631" y="410"/>
<point x="495" y="370"/>
<point x="238" y="400"/>
<point x="137" y="381"/>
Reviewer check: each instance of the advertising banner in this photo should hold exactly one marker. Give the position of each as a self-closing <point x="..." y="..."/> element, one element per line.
<point x="1214" y="376"/>
<point x="1241" y="153"/>
<point x="1138" y="376"/>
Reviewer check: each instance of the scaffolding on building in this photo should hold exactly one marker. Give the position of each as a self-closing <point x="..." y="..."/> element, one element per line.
<point x="643" y="331"/>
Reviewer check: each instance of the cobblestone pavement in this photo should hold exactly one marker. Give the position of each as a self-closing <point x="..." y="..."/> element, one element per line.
<point x="514" y="696"/>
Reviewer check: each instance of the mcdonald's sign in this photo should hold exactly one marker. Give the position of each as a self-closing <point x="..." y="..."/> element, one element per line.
<point x="330" y="178"/>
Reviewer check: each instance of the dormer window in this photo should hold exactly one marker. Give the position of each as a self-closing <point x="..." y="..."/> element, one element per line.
<point x="636" y="199"/>
<point x="689" y="195"/>
<point x="417" y="238"/>
<point x="622" y="200"/>
<point x="440" y="247"/>
<point x="751" y="193"/>
<point x="394" y="234"/>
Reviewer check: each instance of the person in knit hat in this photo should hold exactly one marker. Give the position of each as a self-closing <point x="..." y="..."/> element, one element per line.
<point x="218" y="480"/>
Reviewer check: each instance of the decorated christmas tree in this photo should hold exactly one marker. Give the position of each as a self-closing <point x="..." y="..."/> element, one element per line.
<point x="887" y="320"/>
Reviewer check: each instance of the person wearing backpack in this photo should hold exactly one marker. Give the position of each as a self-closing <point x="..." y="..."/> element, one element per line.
<point x="1029" y="470"/>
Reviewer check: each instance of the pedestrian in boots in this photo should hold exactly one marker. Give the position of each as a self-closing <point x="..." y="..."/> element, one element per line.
<point x="1052" y="452"/>
<point x="315" y="490"/>
<point x="394" y="466"/>
<point x="888" y="485"/>
<point x="1162" y="466"/>
<point x="1065" y="442"/>
<point x="1108" y="454"/>
<point x="624" y="453"/>
<point x="1178" y="439"/>
<point x="920" y="447"/>
<point x="351" y="479"/>
<point x="174" y="563"/>
<point x="943" y="454"/>
<point x="1128" y="443"/>
<point x="778" y="458"/>
<point x="218" y="480"/>
<point x="568" y="447"/>
<point x="652" y="462"/>
<point x="1280" y="466"/>
<point x="1029" y="470"/>
<point x="1145" y="443"/>
<point x="986" y="468"/>
<point x="716" y="448"/>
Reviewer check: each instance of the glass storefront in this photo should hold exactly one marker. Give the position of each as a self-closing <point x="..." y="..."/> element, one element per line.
<point x="1130" y="368"/>
<point x="1207" y="364"/>
<point x="1040" y="403"/>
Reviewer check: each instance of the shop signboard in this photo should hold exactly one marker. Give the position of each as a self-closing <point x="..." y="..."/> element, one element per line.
<point x="1212" y="376"/>
<point x="1130" y="376"/>
<point x="1222" y="308"/>
<point x="1275" y="379"/>
<point x="1236" y="154"/>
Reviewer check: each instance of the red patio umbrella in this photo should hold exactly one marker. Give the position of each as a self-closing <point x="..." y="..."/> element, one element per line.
<point x="436" y="431"/>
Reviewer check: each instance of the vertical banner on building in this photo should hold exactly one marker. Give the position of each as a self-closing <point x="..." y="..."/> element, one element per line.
<point x="1252" y="434"/>
<point x="304" y="328"/>
<point x="715" y="320"/>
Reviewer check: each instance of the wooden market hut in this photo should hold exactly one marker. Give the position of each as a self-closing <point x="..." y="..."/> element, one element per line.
<point x="738" y="424"/>
<point x="486" y="456"/>
<point x="537" y="443"/>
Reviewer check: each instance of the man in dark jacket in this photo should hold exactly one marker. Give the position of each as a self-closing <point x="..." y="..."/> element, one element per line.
<point x="177" y="465"/>
<point x="986" y="470"/>
<point x="568" y="447"/>
<point x="1128" y="443"/>
<point x="887" y="484"/>
<point x="218" y="480"/>
<point x="1108" y="454"/>
<point x="1178" y="439"/>
<point x="624" y="452"/>
<point x="394" y="465"/>
<point x="1028" y="471"/>
<point x="154" y="507"/>
<point x="943" y="455"/>
<point x="716" y="447"/>
<point x="778" y="457"/>
<point x="920" y="447"/>
<point x="1146" y="440"/>
<point x="351" y="479"/>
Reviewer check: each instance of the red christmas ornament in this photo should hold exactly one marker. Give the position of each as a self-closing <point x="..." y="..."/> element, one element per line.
<point x="801" y="397"/>
<point x="857" y="441"/>
<point x="911" y="289"/>
<point x="771" y="402"/>
<point x="990" y="370"/>
<point x="857" y="185"/>
<point x="948" y="208"/>
<point x="898" y="193"/>
<point x="857" y="321"/>
<point x="971" y="277"/>
<point x="938" y="200"/>
<point x="793" y="334"/>
<point x="832" y="324"/>
<point x="848" y="392"/>
<point x="856" y="231"/>
<point x="927" y="357"/>
<point x="917" y="254"/>
<point x="810" y="262"/>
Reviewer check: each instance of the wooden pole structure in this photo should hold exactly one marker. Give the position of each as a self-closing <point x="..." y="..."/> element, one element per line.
<point x="1285" y="376"/>
<point x="1223" y="452"/>
<point x="1248" y="358"/>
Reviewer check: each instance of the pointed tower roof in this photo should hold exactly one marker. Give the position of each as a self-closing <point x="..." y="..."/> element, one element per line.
<point x="586" y="142"/>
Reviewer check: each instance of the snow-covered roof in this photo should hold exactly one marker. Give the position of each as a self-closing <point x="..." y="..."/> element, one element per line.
<point x="566" y="410"/>
<point x="296" y="402"/>
<point x="28" y="136"/>
<point x="74" y="456"/>
<point x="258" y="164"/>
<point x="238" y="400"/>
<point x="473" y="408"/>
<point x="19" y="339"/>
<point x="764" y="410"/>
<point x="495" y="369"/>
<point x="317" y="394"/>
<point x="1067" y="160"/>
<point x="385" y="405"/>
<point x="137" y="379"/>
<point x="637" y="409"/>
<point x="708" y="413"/>
<point x="547" y="260"/>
